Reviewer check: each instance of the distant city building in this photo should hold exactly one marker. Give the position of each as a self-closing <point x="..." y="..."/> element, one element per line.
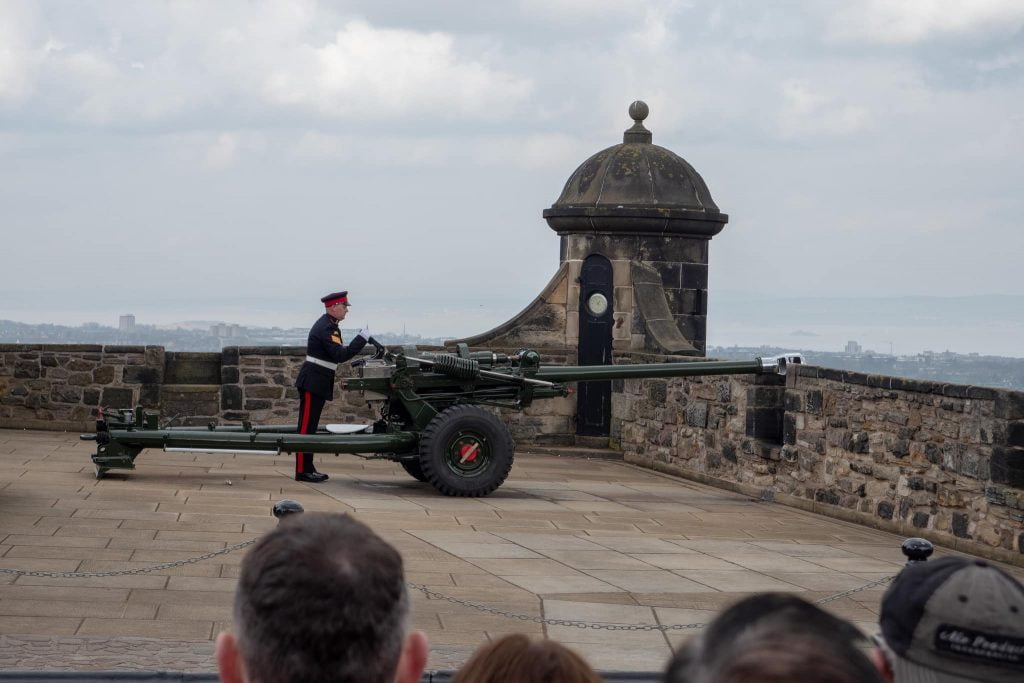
<point x="853" y="347"/>
<point x="126" y="323"/>
<point x="226" y="330"/>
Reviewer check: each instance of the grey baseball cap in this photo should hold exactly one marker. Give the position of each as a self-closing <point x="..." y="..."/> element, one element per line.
<point x="954" y="620"/>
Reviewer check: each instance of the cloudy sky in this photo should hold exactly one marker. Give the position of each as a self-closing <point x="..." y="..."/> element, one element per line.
<point x="236" y="160"/>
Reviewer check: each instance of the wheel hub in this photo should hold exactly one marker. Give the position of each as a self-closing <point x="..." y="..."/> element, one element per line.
<point x="467" y="454"/>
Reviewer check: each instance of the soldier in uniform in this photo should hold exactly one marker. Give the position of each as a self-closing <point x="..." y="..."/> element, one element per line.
<point x="324" y="351"/>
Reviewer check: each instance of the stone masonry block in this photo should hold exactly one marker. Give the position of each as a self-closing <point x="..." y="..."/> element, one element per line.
<point x="793" y="401"/>
<point x="26" y="369"/>
<point x="789" y="430"/>
<point x="1015" y="433"/>
<point x="103" y="374"/>
<point x="141" y="375"/>
<point x="765" y="397"/>
<point x="764" y="423"/>
<point x="693" y="327"/>
<point x="231" y="397"/>
<point x="258" y="404"/>
<point x="264" y="391"/>
<point x="671" y="273"/>
<point x="572" y="326"/>
<point x="815" y="402"/>
<point x="66" y="394"/>
<point x="149" y="395"/>
<point x="116" y="398"/>
<point x="614" y="247"/>
<point x="80" y="378"/>
<point x="154" y="356"/>
<point x="621" y="326"/>
<point x="960" y="525"/>
<point x="572" y="298"/>
<point x="695" y="276"/>
<point x="621" y="273"/>
<point x="697" y="414"/>
<point x="1010" y="405"/>
<point x="623" y="299"/>
<point x="671" y="248"/>
<point x="1007" y="466"/>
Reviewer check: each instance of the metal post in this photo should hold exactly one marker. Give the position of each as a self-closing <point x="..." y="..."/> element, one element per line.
<point x="287" y="508"/>
<point x="917" y="550"/>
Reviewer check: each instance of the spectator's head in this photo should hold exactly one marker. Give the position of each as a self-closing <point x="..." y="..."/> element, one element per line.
<point x="516" y="658"/>
<point x="774" y="638"/>
<point x="321" y="598"/>
<point x="951" y="620"/>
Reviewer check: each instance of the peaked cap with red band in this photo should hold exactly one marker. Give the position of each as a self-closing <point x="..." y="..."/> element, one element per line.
<point x="335" y="298"/>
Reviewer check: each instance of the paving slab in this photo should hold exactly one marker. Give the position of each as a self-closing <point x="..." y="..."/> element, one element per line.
<point x="564" y="538"/>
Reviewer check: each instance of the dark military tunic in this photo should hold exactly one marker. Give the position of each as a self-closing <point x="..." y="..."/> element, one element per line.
<point x="325" y="344"/>
<point x="316" y="383"/>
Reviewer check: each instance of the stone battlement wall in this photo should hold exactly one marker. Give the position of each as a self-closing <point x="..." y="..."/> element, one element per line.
<point x="917" y="458"/>
<point x="50" y="386"/>
<point x="61" y="387"/>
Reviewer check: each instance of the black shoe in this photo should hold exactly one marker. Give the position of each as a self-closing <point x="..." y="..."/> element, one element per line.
<point x="311" y="477"/>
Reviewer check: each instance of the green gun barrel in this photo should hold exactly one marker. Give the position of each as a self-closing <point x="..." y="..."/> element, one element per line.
<point x="592" y="373"/>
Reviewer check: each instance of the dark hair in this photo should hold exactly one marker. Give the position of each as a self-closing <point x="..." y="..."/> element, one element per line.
<point x="515" y="658"/>
<point x="321" y="598"/>
<point x="774" y="637"/>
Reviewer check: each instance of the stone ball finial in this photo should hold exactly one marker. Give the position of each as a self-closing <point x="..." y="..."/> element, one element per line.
<point x="639" y="110"/>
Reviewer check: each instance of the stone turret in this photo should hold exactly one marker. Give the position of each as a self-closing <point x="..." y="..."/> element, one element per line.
<point x="642" y="218"/>
<point x="649" y="212"/>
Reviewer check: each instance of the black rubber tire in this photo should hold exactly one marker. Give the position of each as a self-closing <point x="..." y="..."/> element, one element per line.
<point x="412" y="466"/>
<point x="460" y="427"/>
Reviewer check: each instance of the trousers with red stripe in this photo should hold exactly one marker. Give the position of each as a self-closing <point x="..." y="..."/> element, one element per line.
<point x="310" y="407"/>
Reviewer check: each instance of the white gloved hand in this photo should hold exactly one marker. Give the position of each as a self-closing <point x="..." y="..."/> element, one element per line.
<point x="364" y="333"/>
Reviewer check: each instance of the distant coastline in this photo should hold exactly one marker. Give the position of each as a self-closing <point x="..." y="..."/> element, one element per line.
<point x="965" y="368"/>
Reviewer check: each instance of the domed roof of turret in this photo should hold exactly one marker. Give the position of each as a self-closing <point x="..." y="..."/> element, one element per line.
<point x="636" y="186"/>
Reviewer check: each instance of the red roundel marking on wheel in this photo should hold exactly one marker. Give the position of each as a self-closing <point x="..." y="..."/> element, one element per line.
<point x="468" y="452"/>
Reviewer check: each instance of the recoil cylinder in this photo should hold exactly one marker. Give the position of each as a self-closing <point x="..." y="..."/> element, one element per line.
<point x="453" y="366"/>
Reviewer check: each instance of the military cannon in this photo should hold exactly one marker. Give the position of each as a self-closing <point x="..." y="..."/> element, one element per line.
<point x="432" y="418"/>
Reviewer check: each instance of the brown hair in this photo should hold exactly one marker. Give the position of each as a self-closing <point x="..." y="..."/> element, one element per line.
<point x="321" y="599"/>
<point x="774" y="638"/>
<point x="515" y="658"/>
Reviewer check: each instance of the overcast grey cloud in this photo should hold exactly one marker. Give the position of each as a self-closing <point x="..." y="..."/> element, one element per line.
<point x="235" y="160"/>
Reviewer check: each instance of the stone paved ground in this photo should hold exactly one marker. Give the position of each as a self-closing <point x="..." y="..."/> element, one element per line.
<point x="565" y="538"/>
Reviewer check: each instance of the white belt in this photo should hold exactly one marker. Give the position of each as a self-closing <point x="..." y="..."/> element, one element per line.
<point x="322" y="363"/>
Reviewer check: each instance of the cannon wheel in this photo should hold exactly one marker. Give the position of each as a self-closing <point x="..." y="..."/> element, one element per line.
<point x="412" y="466"/>
<point x="466" y="451"/>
